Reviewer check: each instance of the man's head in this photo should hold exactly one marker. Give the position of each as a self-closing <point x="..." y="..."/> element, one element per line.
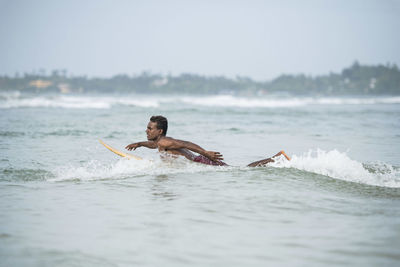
<point x="157" y="127"/>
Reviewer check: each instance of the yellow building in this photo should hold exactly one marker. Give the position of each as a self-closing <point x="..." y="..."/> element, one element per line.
<point x="40" y="84"/>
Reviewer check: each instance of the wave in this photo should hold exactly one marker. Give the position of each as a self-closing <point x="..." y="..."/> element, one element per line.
<point x="72" y="102"/>
<point x="274" y="102"/>
<point x="232" y="101"/>
<point x="18" y="100"/>
<point x="332" y="163"/>
<point x="124" y="168"/>
<point x="338" y="165"/>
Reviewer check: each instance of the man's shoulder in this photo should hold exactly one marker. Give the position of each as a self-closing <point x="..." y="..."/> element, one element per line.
<point x="165" y="141"/>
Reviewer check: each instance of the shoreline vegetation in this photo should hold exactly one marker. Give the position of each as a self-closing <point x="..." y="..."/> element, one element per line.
<point x="354" y="80"/>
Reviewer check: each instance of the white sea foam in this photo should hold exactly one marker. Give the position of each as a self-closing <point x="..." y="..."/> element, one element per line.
<point x="333" y="163"/>
<point x="73" y="102"/>
<point x="18" y="100"/>
<point x="124" y="168"/>
<point x="338" y="165"/>
<point x="357" y="101"/>
<point x="54" y="102"/>
<point x="141" y="102"/>
<point x="232" y="101"/>
<point x="275" y="102"/>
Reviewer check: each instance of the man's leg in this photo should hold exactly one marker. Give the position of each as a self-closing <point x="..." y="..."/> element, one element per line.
<point x="268" y="160"/>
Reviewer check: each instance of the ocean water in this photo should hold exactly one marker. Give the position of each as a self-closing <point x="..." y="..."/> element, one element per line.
<point x="65" y="200"/>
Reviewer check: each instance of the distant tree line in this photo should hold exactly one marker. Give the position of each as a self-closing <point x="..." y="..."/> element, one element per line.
<point x="356" y="79"/>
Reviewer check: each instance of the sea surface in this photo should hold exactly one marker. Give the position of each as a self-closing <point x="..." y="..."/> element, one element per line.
<point x="65" y="200"/>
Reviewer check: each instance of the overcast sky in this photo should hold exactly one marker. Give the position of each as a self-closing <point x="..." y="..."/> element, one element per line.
<point x="258" y="39"/>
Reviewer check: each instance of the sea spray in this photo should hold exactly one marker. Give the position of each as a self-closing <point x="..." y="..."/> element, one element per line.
<point x="338" y="165"/>
<point x="125" y="168"/>
<point x="332" y="163"/>
<point x="15" y="99"/>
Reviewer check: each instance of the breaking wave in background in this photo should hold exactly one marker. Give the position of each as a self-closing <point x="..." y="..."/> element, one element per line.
<point x="19" y="100"/>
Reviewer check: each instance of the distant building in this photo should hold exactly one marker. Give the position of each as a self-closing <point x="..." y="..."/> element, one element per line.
<point x="40" y="84"/>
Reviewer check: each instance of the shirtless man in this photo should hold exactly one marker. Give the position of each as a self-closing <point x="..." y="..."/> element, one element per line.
<point x="156" y="136"/>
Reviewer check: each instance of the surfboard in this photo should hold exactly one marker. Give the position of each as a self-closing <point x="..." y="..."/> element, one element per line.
<point x="119" y="153"/>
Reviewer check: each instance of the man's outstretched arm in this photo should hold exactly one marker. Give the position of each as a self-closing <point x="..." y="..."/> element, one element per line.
<point x="170" y="143"/>
<point x="148" y="144"/>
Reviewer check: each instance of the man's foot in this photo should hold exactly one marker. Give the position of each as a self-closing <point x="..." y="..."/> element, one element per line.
<point x="283" y="153"/>
<point x="268" y="160"/>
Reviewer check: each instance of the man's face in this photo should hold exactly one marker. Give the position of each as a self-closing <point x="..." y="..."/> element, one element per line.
<point x="152" y="132"/>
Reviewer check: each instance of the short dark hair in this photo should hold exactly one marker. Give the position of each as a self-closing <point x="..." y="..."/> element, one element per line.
<point x="162" y="123"/>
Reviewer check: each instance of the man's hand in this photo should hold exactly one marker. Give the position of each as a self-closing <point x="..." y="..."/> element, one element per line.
<point x="132" y="146"/>
<point x="214" y="156"/>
